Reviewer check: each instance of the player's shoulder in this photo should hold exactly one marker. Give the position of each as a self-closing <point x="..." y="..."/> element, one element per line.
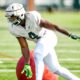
<point x="33" y="13"/>
<point x="34" y="16"/>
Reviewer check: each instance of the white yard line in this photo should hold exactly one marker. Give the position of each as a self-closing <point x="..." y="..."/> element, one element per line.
<point x="62" y="59"/>
<point x="13" y="70"/>
<point x="7" y="70"/>
<point x="8" y="43"/>
<point x="10" y="51"/>
<point x="70" y="59"/>
<point x="62" y="43"/>
<point x="68" y="51"/>
<point x="75" y="71"/>
<point x="8" y="59"/>
<point x="59" y="51"/>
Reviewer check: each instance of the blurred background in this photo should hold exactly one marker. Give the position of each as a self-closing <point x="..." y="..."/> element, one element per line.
<point x="45" y="4"/>
<point x="64" y="13"/>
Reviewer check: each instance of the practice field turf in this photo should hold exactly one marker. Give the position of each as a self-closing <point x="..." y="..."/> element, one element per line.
<point x="68" y="50"/>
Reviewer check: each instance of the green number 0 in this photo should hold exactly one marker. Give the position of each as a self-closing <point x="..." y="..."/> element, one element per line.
<point x="33" y="35"/>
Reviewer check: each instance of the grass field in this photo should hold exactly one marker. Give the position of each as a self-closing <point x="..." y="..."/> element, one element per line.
<point x="68" y="50"/>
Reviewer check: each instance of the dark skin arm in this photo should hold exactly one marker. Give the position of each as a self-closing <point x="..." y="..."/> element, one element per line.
<point x="48" y="25"/>
<point x="24" y="48"/>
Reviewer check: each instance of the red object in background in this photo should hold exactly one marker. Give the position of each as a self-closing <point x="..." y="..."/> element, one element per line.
<point x="46" y="76"/>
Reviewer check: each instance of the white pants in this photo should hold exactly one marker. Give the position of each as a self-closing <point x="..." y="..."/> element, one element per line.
<point x="45" y="54"/>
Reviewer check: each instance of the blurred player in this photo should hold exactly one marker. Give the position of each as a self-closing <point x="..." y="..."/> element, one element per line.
<point x="31" y="26"/>
<point x="30" y="5"/>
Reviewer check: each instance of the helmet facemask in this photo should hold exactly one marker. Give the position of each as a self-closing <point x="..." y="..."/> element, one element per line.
<point x="14" y="19"/>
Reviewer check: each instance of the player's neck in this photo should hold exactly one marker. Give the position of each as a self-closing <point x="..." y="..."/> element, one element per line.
<point x="23" y="23"/>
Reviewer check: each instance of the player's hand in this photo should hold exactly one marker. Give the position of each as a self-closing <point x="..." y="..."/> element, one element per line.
<point x="27" y="70"/>
<point x="74" y="36"/>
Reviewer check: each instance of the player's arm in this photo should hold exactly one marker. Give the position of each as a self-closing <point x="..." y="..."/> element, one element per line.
<point x="47" y="24"/>
<point x="25" y="52"/>
<point x="24" y="48"/>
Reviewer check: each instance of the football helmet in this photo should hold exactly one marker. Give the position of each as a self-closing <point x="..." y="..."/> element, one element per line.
<point x="15" y="12"/>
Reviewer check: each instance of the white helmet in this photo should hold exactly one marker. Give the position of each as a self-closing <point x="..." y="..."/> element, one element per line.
<point x="15" y="9"/>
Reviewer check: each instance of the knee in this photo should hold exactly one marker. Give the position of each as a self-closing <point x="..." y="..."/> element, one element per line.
<point x="38" y="57"/>
<point x="58" y="70"/>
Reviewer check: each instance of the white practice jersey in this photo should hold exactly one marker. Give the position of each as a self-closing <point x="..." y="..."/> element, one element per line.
<point x="32" y="30"/>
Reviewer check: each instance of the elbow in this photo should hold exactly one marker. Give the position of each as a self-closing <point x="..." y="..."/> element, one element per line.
<point x="56" y="27"/>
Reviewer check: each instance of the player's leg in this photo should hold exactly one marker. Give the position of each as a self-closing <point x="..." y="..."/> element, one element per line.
<point x="41" y="50"/>
<point x="52" y="62"/>
<point x="39" y="64"/>
<point x="44" y="51"/>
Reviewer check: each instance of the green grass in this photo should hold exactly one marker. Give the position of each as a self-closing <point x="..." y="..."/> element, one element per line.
<point x="66" y="48"/>
<point x="7" y="76"/>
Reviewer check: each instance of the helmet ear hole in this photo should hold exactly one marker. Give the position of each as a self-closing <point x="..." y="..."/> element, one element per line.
<point x="21" y="14"/>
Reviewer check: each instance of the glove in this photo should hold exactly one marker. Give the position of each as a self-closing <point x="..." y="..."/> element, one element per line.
<point x="27" y="70"/>
<point x="74" y="36"/>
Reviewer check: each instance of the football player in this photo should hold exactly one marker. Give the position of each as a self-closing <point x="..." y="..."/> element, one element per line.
<point x="31" y="26"/>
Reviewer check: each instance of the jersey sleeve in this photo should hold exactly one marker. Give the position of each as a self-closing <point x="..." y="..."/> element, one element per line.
<point x="17" y="31"/>
<point x="36" y="16"/>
